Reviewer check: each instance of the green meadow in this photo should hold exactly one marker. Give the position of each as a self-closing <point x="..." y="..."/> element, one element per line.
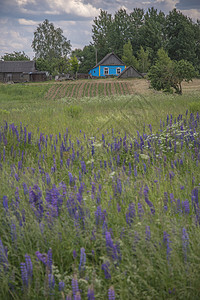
<point x="99" y="195"/>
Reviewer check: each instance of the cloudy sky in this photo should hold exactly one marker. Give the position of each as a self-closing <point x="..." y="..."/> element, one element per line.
<point x="19" y="18"/>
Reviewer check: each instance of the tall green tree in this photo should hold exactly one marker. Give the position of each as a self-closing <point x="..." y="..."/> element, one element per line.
<point x="168" y="75"/>
<point x="122" y="31"/>
<point x="86" y="58"/>
<point x="49" y="42"/>
<point x="128" y="58"/>
<point x="74" y="66"/>
<point x="15" y="56"/>
<point x="180" y="34"/>
<point x="101" y="33"/>
<point x="137" y="20"/>
<point x="151" y="33"/>
<point x="143" y="60"/>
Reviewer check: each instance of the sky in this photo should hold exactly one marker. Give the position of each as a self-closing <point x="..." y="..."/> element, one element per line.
<point x="20" y="18"/>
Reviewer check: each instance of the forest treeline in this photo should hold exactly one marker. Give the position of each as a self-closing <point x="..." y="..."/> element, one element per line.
<point x="176" y="33"/>
<point x="135" y="37"/>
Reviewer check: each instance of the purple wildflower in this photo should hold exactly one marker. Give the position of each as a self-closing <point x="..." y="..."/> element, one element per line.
<point x="130" y="215"/>
<point x="77" y="296"/>
<point x="29" y="267"/>
<point x="167" y="242"/>
<point x="24" y="275"/>
<point x="74" y="254"/>
<point x="61" y="286"/>
<point x="75" y="287"/>
<point x="51" y="282"/>
<point x="148" y="233"/>
<point x="186" y="207"/>
<point x="111" y="293"/>
<point x="105" y="268"/>
<point x="90" y="293"/>
<point x="49" y="261"/>
<point x="82" y="260"/>
<point x="185" y="243"/>
<point x="3" y="255"/>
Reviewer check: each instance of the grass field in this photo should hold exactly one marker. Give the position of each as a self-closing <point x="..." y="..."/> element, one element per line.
<point x="99" y="183"/>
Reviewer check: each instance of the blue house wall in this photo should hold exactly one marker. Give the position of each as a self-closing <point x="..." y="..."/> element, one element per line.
<point x="112" y="70"/>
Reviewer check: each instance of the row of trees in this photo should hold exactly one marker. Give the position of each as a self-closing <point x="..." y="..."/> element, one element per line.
<point x="138" y="38"/>
<point x="175" y="33"/>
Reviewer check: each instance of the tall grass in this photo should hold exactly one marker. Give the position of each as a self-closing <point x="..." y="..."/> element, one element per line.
<point x="99" y="196"/>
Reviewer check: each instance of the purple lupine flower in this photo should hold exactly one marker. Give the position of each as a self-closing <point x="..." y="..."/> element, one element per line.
<point x="130" y="215"/>
<point x="25" y="188"/>
<point x="82" y="260"/>
<point x="186" y="207"/>
<point x="112" y="250"/>
<point x="140" y="210"/>
<point x="90" y="293"/>
<point x="29" y="267"/>
<point x="99" y="216"/>
<point x="74" y="254"/>
<point x="167" y="242"/>
<point x="48" y="179"/>
<point x="148" y="233"/>
<point x="24" y="275"/>
<point x="69" y="296"/>
<point x="61" y="286"/>
<point x="3" y="255"/>
<point x="111" y="293"/>
<point x="51" y="281"/>
<point x="185" y="243"/>
<point x="75" y="287"/>
<point x="149" y="203"/>
<point x="195" y="198"/>
<point x="5" y="203"/>
<point x="105" y="268"/>
<point x="77" y="296"/>
<point x="42" y="257"/>
<point x="49" y="260"/>
<point x="13" y="232"/>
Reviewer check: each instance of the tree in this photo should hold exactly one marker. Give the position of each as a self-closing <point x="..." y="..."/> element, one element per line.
<point x="49" y="42"/>
<point x="86" y="58"/>
<point x="160" y="74"/>
<point x="180" y="34"/>
<point x="151" y="33"/>
<point x="183" y="70"/>
<point x="55" y="66"/>
<point x="167" y="74"/>
<point x="101" y="33"/>
<point x="74" y="66"/>
<point x="15" y="56"/>
<point x="128" y="57"/>
<point x="143" y="60"/>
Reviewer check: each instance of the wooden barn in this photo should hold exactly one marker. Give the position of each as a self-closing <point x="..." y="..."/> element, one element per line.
<point x="130" y="72"/>
<point x="20" y="71"/>
<point x="110" y="65"/>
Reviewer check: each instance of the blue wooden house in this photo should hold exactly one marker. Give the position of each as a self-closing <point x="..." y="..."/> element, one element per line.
<point x="110" y="65"/>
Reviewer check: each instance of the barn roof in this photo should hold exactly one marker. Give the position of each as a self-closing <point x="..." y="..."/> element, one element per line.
<point x="106" y="60"/>
<point x="17" y="66"/>
<point x="126" y="70"/>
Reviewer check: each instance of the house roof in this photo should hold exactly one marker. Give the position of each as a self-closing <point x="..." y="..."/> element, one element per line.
<point x="126" y="70"/>
<point x="17" y="66"/>
<point x="107" y="59"/>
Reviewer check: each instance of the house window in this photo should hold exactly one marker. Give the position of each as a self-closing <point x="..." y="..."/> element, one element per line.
<point x="106" y="71"/>
<point x="118" y="70"/>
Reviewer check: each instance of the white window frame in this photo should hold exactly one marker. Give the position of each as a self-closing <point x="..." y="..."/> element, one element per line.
<point x="118" y="71"/>
<point x="106" y="71"/>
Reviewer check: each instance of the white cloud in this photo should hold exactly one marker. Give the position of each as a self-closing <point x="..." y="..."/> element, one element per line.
<point x="192" y="13"/>
<point x="76" y="7"/>
<point x="27" y="22"/>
